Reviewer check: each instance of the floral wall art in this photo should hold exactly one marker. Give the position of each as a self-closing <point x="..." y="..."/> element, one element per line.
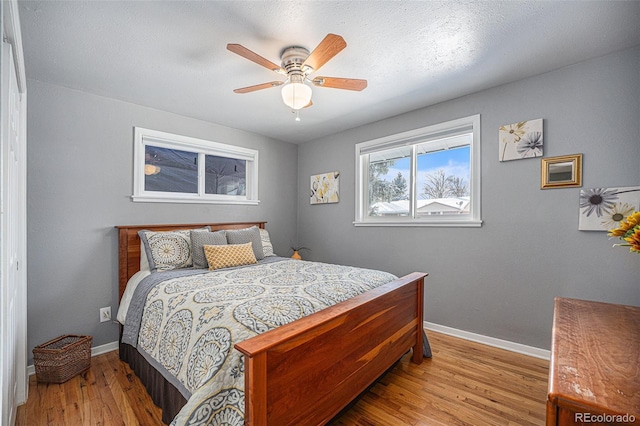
<point x="602" y="209"/>
<point x="325" y="188"/>
<point x="521" y="140"/>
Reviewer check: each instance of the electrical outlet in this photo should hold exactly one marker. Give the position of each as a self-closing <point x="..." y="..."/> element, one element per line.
<point x="105" y="314"/>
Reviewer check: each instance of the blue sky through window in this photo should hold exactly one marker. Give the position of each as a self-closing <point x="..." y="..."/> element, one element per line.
<point x="454" y="162"/>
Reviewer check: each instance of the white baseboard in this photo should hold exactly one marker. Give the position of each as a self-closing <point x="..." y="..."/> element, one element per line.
<point x="490" y="341"/>
<point x="97" y="350"/>
<point x="479" y="338"/>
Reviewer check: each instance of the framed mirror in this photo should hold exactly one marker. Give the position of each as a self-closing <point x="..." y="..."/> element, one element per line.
<point x="561" y="172"/>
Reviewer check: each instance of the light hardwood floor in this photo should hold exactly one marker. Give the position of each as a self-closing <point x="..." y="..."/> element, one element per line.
<point x="465" y="383"/>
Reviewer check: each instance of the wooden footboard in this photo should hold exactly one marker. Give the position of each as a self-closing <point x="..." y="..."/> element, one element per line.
<point x="307" y="371"/>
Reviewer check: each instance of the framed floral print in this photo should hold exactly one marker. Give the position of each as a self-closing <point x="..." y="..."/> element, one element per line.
<point x="602" y="209"/>
<point x="325" y="188"/>
<point x="521" y="140"/>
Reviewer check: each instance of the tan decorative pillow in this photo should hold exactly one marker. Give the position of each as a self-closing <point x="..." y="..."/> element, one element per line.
<point x="219" y="256"/>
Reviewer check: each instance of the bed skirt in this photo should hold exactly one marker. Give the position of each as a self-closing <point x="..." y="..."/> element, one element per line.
<point x="163" y="393"/>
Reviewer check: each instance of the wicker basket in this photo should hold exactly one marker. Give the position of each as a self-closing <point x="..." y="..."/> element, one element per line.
<point x="62" y="358"/>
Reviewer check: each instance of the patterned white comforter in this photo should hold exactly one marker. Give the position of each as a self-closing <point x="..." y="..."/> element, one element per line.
<point x="190" y="324"/>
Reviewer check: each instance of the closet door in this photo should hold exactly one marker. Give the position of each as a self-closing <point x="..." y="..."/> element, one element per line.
<point x="12" y="222"/>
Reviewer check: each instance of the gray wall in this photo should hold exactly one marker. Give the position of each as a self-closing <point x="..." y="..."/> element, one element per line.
<point x="80" y="179"/>
<point x="500" y="280"/>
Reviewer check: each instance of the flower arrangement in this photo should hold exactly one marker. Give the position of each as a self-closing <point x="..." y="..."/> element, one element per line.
<point x="628" y="231"/>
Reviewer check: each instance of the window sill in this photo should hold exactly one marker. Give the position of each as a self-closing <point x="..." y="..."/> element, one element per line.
<point x="151" y="199"/>
<point x="440" y="223"/>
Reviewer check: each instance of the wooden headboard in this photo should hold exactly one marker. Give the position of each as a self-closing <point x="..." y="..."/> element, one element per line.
<point x="129" y="244"/>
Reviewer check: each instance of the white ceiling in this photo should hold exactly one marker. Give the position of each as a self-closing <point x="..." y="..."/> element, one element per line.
<point x="171" y="55"/>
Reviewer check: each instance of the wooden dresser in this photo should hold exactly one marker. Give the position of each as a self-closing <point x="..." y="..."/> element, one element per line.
<point x="594" y="375"/>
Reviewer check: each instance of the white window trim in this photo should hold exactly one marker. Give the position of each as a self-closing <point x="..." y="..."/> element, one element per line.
<point x="143" y="137"/>
<point x="473" y="219"/>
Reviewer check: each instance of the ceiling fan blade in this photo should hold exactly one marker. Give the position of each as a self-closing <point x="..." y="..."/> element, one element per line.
<point x="254" y="57"/>
<point x="329" y="47"/>
<point x="340" y="83"/>
<point x="259" y="87"/>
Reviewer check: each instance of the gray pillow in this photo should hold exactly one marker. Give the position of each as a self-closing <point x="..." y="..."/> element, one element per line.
<point x="201" y="238"/>
<point x="248" y="235"/>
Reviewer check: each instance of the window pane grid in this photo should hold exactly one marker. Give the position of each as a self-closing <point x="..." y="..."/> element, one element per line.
<point x="430" y="181"/>
<point x="433" y="190"/>
<point x="388" y="190"/>
<point x="174" y="168"/>
<point x="170" y="170"/>
<point x="225" y="176"/>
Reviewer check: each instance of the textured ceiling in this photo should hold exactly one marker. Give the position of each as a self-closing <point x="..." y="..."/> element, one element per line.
<point x="171" y="55"/>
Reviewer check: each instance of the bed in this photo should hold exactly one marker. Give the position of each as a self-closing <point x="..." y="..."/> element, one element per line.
<point x="301" y="372"/>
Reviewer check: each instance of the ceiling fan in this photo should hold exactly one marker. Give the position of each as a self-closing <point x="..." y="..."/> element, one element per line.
<point x="297" y="65"/>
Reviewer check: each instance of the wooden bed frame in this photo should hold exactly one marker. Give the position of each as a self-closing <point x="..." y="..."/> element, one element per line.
<point x="307" y="371"/>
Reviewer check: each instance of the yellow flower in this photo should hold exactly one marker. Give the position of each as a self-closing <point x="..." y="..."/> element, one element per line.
<point x="634" y="239"/>
<point x="626" y="225"/>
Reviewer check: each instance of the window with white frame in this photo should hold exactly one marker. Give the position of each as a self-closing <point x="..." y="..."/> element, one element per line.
<point x="424" y="177"/>
<point x="174" y="168"/>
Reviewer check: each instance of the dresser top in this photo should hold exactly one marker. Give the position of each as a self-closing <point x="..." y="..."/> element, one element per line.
<point x="595" y="355"/>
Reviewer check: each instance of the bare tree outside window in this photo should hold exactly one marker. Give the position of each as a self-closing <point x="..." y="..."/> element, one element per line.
<point x="459" y="187"/>
<point x="440" y="185"/>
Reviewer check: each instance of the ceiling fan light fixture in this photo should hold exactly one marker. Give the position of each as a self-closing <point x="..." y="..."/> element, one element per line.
<point x="297" y="64"/>
<point x="296" y="95"/>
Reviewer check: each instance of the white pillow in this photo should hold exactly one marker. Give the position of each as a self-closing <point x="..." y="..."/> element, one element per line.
<point x="144" y="262"/>
<point x="267" y="247"/>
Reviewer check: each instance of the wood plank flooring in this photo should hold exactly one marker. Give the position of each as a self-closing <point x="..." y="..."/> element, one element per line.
<point x="465" y="383"/>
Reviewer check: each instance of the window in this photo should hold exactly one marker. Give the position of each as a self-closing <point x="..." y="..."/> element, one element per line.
<point x="425" y="177"/>
<point x="173" y="168"/>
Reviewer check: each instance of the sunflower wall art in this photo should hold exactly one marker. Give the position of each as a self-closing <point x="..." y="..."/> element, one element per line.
<point x="521" y="140"/>
<point x="602" y="209"/>
<point x="325" y="188"/>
